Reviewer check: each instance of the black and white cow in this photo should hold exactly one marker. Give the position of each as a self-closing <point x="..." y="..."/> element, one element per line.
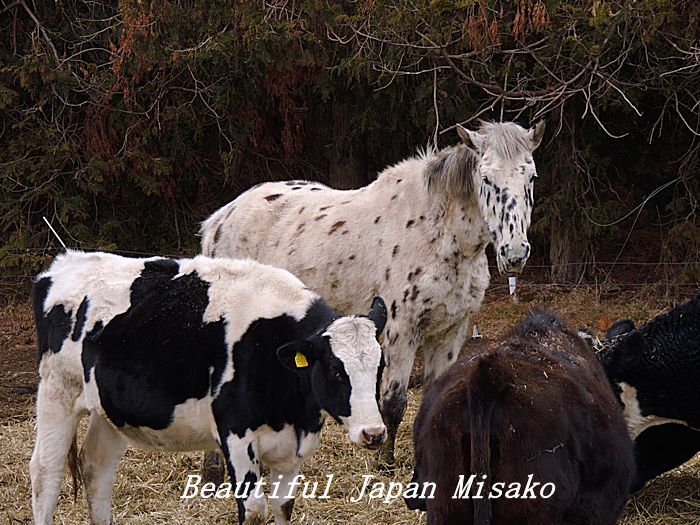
<point x="656" y="372"/>
<point x="194" y="354"/>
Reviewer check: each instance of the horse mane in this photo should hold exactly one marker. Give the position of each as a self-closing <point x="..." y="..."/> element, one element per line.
<point x="450" y="170"/>
<point x="507" y="139"/>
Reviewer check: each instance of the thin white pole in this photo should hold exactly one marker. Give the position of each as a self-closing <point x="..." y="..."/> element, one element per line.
<point x="54" y="232"/>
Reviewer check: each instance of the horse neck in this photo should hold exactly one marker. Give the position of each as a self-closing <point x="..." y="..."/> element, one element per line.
<point x="457" y="222"/>
<point x="454" y="223"/>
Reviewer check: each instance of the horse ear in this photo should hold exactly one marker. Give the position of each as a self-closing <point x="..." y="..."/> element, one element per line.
<point x="471" y="139"/>
<point x="536" y="135"/>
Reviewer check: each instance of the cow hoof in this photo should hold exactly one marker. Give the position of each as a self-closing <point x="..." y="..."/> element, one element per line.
<point x="212" y="470"/>
<point x="385" y="460"/>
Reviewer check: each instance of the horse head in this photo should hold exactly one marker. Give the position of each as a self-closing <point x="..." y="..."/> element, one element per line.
<point x="503" y="185"/>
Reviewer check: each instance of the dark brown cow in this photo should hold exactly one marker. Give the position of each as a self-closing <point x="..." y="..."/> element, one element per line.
<point x="532" y="426"/>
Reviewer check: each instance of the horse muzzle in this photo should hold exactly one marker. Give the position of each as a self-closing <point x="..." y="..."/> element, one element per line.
<point x="512" y="259"/>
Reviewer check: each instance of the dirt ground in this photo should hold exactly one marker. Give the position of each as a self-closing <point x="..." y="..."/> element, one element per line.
<point x="149" y="484"/>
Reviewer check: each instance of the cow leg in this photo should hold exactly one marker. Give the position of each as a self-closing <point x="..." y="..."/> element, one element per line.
<point x="102" y="450"/>
<point x="244" y="468"/>
<point x="399" y="362"/>
<point x="283" y="504"/>
<point x="438" y="358"/>
<point x="56" y="424"/>
<point x="212" y="470"/>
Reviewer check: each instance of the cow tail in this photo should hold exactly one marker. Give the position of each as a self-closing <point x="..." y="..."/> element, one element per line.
<point x="483" y="391"/>
<point x="74" y="466"/>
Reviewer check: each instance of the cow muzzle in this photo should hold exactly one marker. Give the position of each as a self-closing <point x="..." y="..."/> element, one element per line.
<point x="372" y="438"/>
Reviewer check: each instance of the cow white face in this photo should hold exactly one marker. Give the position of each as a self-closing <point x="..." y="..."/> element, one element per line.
<point x="346" y="366"/>
<point x="504" y="179"/>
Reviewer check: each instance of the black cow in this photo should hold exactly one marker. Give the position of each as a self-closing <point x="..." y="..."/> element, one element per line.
<point x="194" y="354"/>
<point x="656" y="372"/>
<point x="524" y="431"/>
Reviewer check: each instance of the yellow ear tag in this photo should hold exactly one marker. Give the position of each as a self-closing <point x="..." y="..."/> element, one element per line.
<point x="300" y="360"/>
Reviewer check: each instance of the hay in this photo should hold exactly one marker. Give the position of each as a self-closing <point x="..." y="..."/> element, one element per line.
<point x="149" y="484"/>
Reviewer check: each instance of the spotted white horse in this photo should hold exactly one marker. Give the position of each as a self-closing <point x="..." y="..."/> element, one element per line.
<point x="416" y="236"/>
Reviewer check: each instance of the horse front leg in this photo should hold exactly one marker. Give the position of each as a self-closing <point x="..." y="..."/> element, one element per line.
<point x="440" y="356"/>
<point x="398" y="356"/>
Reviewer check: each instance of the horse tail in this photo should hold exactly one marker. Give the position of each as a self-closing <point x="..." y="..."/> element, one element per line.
<point x="484" y="389"/>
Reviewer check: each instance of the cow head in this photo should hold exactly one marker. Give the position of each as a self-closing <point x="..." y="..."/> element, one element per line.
<point x="503" y="186"/>
<point x="346" y="363"/>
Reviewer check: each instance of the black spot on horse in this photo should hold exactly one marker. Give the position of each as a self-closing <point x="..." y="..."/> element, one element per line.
<point x="393" y="309"/>
<point x="410" y="223"/>
<point x="395" y="251"/>
<point x="336" y="226"/>
<point x="377" y="219"/>
<point x="273" y="197"/>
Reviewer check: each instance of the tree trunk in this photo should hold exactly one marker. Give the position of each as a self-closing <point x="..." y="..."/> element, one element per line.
<point x="568" y="256"/>
<point x="348" y="149"/>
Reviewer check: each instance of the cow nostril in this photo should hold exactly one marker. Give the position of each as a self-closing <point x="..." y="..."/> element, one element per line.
<point x="373" y="437"/>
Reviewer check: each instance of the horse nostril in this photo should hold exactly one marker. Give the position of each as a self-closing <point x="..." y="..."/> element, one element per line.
<point x="516" y="262"/>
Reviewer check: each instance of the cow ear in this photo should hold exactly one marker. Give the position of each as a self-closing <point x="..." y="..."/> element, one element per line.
<point x="623" y="354"/>
<point x="620" y="327"/>
<point x="377" y="314"/>
<point x="297" y="355"/>
<point x="471" y="139"/>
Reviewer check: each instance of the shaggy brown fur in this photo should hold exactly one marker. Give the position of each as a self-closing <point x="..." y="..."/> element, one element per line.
<point x="535" y="403"/>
